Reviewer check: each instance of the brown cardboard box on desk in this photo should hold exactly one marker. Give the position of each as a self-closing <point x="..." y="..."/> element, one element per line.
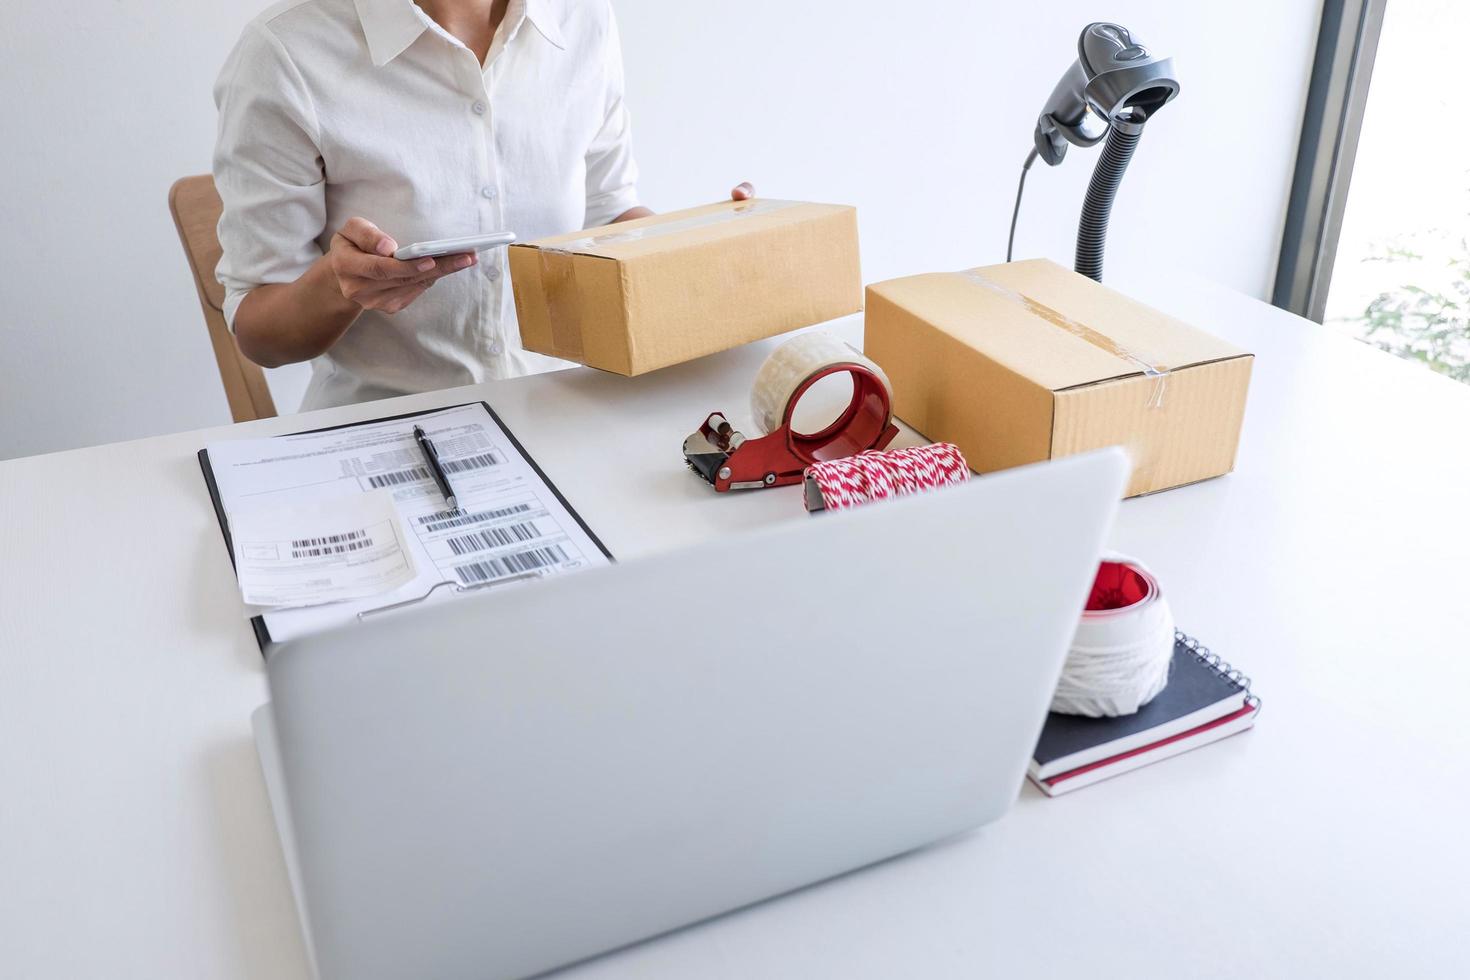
<point x="1028" y="361"/>
<point x="645" y="294"/>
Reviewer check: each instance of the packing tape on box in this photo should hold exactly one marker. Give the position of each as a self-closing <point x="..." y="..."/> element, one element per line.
<point x="794" y="363"/>
<point x="563" y="307"/>
<point x="559" y="270"/>
<point x="1150" y="367"/>
<point x="1120" y="655"/>
<point x="613" y="235"/>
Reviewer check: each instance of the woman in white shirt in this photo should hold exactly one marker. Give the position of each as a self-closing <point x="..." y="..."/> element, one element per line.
<point x="349" y="127"/>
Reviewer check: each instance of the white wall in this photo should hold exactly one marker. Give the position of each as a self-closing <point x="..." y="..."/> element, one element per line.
<point x="919" y="113"/>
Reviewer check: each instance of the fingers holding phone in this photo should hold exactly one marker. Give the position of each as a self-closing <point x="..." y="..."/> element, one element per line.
<point x="367" y="274"/>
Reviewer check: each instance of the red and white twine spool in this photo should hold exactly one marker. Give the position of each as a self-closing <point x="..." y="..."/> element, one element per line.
<point x="876" y="475"/>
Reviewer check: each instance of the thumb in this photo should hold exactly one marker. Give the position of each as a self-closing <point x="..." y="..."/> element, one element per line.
<point x="368" y="237"/>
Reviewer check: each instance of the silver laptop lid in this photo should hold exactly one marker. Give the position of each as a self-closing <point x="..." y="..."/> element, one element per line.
<point x="498" y="786"/>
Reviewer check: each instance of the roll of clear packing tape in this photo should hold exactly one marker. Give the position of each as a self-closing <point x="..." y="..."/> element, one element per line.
<point x="791" y="365"/>
<point x="1120" y="655"/>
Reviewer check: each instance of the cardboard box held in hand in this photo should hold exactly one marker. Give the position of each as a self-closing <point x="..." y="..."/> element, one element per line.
<point x="1028" y="361"/>
<point x="645" y="294"/>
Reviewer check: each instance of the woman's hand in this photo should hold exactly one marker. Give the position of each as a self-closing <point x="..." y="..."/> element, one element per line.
<point x="367" y="275"/>
<point x="742" y="191"/>
<point x="285" y="322"/>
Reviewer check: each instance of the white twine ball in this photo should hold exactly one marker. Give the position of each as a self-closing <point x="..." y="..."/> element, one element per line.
<point x="1119" y="659"/>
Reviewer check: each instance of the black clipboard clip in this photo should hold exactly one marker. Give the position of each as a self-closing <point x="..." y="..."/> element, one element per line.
<point x="522" y="577"/>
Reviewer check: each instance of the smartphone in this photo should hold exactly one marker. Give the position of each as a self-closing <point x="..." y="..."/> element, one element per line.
<point x="453" y="246"/>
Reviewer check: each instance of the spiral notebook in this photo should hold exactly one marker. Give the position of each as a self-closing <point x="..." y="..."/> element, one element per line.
<point x="1205" y="700"/>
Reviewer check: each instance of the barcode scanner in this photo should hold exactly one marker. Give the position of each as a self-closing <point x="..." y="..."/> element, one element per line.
<point x="1110" y="91"/>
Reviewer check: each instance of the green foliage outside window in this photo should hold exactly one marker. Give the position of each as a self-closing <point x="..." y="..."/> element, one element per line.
<point x="1430" y="325"/>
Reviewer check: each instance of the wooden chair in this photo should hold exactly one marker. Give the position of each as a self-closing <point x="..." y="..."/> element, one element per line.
<point x="196" y="207"/>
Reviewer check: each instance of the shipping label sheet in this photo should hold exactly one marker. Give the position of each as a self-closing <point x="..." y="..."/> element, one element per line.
<point x="347" y="547"/>
<point x="509" y="523"/>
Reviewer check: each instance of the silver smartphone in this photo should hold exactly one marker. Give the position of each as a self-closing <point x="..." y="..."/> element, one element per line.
<point x="453" y="246"/>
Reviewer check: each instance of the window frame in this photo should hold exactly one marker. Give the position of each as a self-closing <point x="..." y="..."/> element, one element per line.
<point x="1347" y="44"/>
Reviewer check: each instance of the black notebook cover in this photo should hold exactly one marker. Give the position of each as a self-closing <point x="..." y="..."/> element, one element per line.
<point x="262" y="634"/>
<point x="1193" y="684"/>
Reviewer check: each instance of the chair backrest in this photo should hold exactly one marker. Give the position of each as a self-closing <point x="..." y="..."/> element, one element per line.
<point x="196" y="208"/>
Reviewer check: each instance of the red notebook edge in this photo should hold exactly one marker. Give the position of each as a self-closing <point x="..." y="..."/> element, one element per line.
<point x="1246" y="709"/>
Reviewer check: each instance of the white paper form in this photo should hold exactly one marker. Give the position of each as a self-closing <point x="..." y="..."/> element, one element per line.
<point x="349" y="547"/>
<point x="509" y="523"/>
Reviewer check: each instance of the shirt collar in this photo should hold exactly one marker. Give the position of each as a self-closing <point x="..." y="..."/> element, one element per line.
<point x="543" y="14"/>
<point x="392" y="25"/>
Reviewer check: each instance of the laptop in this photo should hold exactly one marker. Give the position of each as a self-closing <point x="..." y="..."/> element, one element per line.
<point x="499" y="786"/>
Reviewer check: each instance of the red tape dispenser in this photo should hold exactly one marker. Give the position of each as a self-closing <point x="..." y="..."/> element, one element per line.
<point x="727" y="460"/>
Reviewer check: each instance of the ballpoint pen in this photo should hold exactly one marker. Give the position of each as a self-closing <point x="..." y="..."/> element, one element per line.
<point x="431" y="455"/>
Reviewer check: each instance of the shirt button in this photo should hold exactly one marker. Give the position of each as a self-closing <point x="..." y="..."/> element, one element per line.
<point x="492" y="273"/>
<point x="497" y="348"/>
<point x="488" y="192"/>
<point x="479" y="108"/>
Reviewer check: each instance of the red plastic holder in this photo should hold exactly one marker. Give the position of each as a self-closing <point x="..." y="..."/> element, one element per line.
<point x="729" y="461"/>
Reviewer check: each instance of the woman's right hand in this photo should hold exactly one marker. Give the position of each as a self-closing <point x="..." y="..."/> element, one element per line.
<point x="367" y="275"/>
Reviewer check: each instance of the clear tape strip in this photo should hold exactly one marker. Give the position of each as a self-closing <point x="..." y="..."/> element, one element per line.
<point x="615" y="236"/>
<point x="1152" y="369"/>
<point x="563" y="305"/>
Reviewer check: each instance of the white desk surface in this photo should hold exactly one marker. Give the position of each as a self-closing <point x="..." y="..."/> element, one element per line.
<point x="1333" y="566"/>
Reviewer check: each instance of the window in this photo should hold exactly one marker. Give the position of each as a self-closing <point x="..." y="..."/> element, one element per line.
<point x="1377" y="242"/>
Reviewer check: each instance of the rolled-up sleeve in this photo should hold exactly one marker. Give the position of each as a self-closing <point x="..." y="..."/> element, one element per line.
<point x="612" y="174"/>
<point x="267" y="168"/>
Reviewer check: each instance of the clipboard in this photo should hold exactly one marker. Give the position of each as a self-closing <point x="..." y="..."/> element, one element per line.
<point x="262" y="631"/>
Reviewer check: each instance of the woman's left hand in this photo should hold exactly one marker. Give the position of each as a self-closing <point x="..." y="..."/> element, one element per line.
<point x="742" y="191"/>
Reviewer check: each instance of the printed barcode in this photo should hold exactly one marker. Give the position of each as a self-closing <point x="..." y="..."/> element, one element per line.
<point x="330" y="539"/>
<point x="398" y="477"/>
<point x="522" y="561"/>
<point x="471" y="463"/>
<point x="445" y="519"/>
<point x="493" y="537"/>
<point x="336" y="544"/>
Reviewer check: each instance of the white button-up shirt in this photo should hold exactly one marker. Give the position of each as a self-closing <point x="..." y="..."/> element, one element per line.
<point x="330" y="109"/>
